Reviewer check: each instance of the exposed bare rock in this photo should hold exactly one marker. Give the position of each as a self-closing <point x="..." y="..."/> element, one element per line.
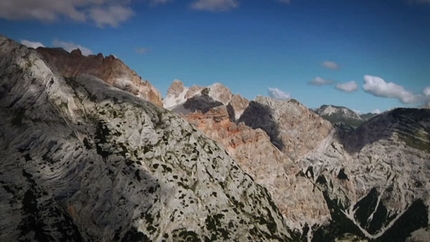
<point x="110" y="69"/>
<point x="371" y="184"/>
<point x="183" y="100"/>
<point x="293" y="193"/>
<point x="220" y="93"/>
<point x="85" y="161"/>
<point x="175" y="89"/>
<point x="236" y="106"/>
<point x="292" y="127"/>
<point x="377" y="181"/>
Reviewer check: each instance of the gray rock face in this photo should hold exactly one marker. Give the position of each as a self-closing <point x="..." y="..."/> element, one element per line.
<point x="184" y="100"/>
<point x="83" y="161"/>
<point x="292" y="127"/>
<point x="376" y="180"/>
<point x="371" y="183"/>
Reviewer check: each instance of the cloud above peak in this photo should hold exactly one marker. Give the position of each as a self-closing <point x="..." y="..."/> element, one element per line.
<point x="379" y="88"/>
<point x="101" y="12"/>
<point x="330" y="65"/>
<point x="347" y="86"/>
<point x="319" y="81"/>
<point x="215" y="5"/>
<point x="111" y="15"/>
<point x="278" y="94"/>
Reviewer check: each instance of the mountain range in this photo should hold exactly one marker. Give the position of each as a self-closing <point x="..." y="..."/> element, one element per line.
<point x="92" y="152"/>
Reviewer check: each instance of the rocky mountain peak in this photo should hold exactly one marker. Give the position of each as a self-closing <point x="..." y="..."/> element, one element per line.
<point x="176" y="88"/>
<point x="76" y="53"/>
<point x="196" y="98"/>
<point x="342" y="116"/>
<point x="220" y="93"/>
<point x="110" y="69"/>
<point x="292" y="127"/>
<point x="330" y="110"/>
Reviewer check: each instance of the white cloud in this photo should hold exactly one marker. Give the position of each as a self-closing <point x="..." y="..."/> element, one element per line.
<point x="278" y="94"/>
<point x="142" y="50"/>
<point x="69" y="46"/>
<point x="318" y="81"/>
<point x="347" y="86"/>
<point x="376" y="111"/>
<point x="330" y="65"/>
<point x="31" y="44"/>
<point x="114" y="12"/>
<point x="215" y="5"/>
<point x="378" y="87"/>
<point x="426" y="91"/>
<point x="155" y="2"/>
<point x="112" y="15"/>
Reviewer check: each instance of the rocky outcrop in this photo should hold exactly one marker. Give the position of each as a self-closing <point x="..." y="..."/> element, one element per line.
<point x="292" y="127"/>
<point x="110" y="69"/>
<point x="183" y="100"/>
<point x="84" y="161"/>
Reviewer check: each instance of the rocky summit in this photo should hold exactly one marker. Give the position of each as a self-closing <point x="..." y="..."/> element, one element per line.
<point x="110" y="69"/>
<point x="82" y="160"/>
<point x="343" y="116"/>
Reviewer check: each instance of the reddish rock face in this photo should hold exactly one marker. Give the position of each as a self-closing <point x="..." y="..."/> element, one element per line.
<point x="110" y="69"/>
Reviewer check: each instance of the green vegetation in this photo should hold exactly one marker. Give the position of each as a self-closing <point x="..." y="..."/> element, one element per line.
<point x="205" y="91"/>
<point x="419" y="140"/>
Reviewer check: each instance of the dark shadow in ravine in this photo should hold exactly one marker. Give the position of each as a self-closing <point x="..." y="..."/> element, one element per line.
<point x="260" y="116"/>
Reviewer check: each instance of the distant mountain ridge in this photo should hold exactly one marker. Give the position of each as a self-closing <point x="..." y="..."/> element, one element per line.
<point x="339" y="114"/>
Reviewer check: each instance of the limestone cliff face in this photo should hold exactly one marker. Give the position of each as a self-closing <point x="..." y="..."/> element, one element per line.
<point x="292" y="127"/>
<point x="84" y="161"/>
<point x="110" y="69"/>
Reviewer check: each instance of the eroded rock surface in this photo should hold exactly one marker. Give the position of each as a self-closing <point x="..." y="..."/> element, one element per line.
<point x="110" y="69"/>
<point x="181" y="99"/>
<point x="366" y="184"/>
<point x="292" y="127"/>
<point x="84" y="161"/>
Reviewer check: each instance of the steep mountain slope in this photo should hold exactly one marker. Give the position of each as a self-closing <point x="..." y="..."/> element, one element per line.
<point x="110" y="69"/>
<point x="256" y="153"/>
<point x="337" y="114"/>
<point x="84" y="161"/>
<point x="376" y="180"/>
<point x="370" y="183"/>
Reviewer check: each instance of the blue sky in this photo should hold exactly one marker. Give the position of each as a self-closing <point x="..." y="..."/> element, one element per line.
<point x="363" y="54"/>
